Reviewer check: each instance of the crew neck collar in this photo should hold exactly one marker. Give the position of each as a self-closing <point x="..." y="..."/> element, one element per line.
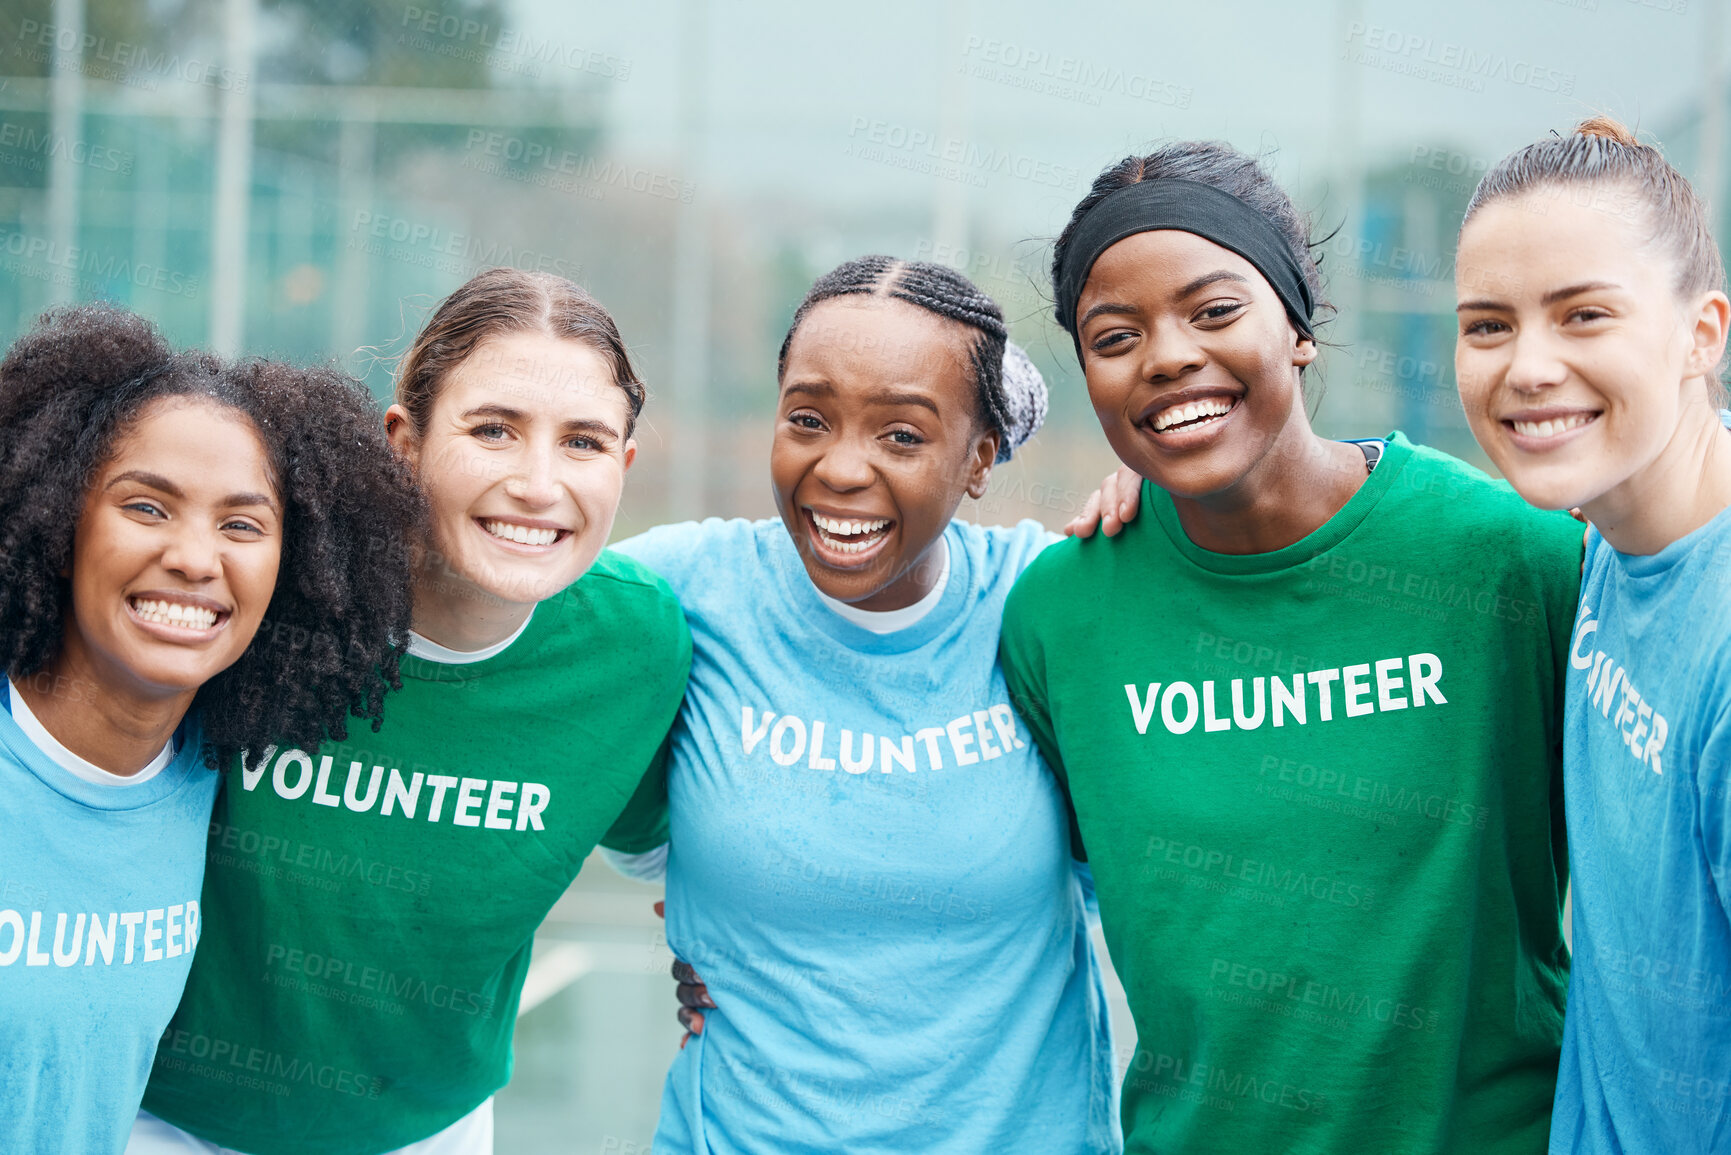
<point x="430" y="651"/>
<point x="890" y="621"/>
<point x="1397" y="453"/>
<point x="188" y="760"/>
<point x="809" y="604"/>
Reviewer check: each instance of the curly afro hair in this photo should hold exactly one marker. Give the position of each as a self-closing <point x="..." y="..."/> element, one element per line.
<point x="72" y="387"/>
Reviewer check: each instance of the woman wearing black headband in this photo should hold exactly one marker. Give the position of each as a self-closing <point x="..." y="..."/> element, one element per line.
<point x="1306" y="710"/>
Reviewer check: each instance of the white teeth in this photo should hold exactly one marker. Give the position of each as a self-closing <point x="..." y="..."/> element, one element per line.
<point x="848" y="528"/>
<point x="848" y="536"/>
<point x="175" y="614"/>
<point x="521" y="534"/>
<point x="1553" y="426"/>
<point x="1192" y="411"/>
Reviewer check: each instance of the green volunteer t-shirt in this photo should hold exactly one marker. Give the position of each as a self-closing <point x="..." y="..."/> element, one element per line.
<point x="1320" y="790"/>
<point x="369" y="906"/>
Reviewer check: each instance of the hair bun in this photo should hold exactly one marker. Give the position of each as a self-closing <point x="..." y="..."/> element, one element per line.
<point x="1024" y="400"/>
<point x="1608" y="128"/>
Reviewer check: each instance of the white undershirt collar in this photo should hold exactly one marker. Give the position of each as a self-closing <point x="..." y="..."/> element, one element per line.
<point x="889" y="621"/>
<point x="72" y="763"/>
<point x="432" y="651"/>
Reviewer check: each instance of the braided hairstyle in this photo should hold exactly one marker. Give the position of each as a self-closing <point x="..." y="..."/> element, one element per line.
<point x="74" y="386"/>
<point x="941" y="290"/>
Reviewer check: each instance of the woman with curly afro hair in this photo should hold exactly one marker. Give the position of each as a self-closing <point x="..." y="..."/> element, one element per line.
<point x="195" y="557"/>
<point x="373" y="902"/>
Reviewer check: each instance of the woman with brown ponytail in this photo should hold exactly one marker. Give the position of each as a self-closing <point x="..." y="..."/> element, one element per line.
<point x="1593" y="318"/>
<point x="372" y="903"/>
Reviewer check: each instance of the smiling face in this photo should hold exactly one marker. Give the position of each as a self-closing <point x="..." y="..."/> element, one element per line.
<point x="877" y="439"/>
<point x="522" y="464"/>
<point x="1577" y="361"/>
<point x="175" y="556"/>
<point x="1191" y="362"/>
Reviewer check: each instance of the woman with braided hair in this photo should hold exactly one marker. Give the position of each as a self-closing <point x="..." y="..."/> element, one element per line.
<point x="197" y="557"/>
<point x="861" y="827"/>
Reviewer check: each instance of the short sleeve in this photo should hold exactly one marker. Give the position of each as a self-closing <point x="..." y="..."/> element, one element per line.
<point x="643" y="824"/>
<point x="1713" y="780"/>
<point x="1021" y="654"/>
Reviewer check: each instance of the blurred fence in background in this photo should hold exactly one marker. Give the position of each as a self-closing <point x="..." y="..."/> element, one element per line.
<point x="306" y="178"/>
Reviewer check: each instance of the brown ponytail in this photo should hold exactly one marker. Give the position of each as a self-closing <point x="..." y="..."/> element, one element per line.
<point x="1603" y="152"/>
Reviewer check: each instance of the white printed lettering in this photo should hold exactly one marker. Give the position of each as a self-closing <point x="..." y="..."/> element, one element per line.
<point x="961" y="737"/>
<point x="101" y="938"/>
<point x="1650" y="755"/>
<point x="1287" y="702"/>
<point x="749" y="736"/>
<point x="279" y="776"/>
<point x="14" y="920"/>
<point x="1388" y="683"/>
<point x="1141" y="712"/>
<point x="903" y="755"/>
<point x="1187" y="692"/>
<point x="321" y="791"/>
<point x="847" y="759"/>
<point x="930" y="736"/>
<point x="1425" y="671"/>
<point x="152" y="933"/>
<point x="171" y="936"/>
<point x="534" y="800"/>
<point x="1253" y="719"/>
<point x="66" y="958"/>
<point x="468" y="798"/>
<point x="440" y="783"/>
<point x="1354" y="688"/>
<point x="1322" y="679"/>
<point x="983" y="728"/>
<point x="817" y="760"/>
<point x="251" y="772"/>
<point x="1580" y="656"/>
<point x="131" y="918"/>
<point x="34" y="955"/>
<point x="399" y="795"/>
<point x="498" y="802"/>
<point x="1004" y="722"/>
<point x="1209" y="721"/>
<point x="362" y="805"/>
<point x="783" y="755"/>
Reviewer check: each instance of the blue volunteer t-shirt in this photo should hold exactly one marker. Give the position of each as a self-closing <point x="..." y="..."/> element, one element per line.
<point x="99" y="915"/>
<point x="1646" y="1065"/>
<point x="870" y="867"/>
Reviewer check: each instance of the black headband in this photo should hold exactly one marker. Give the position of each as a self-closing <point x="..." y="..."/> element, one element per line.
<point x="1192" y="207"/>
